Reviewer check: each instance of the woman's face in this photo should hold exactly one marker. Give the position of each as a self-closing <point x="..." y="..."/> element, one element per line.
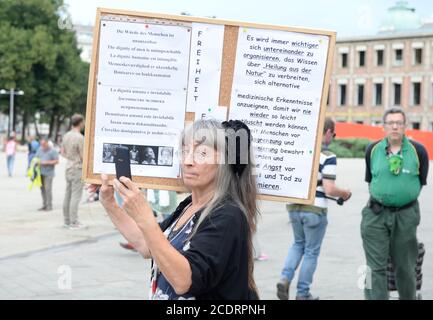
<point x="199" y="166"/>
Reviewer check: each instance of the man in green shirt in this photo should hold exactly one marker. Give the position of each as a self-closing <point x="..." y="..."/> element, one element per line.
<point x="396" y="169"/>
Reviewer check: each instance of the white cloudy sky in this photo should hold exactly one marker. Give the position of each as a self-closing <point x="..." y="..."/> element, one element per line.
<point x="348" y="18"/>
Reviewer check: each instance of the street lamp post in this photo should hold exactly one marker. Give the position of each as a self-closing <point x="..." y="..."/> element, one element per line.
<point x="12" y="93"/>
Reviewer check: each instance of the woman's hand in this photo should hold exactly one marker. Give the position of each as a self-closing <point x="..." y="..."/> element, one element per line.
<point x="123" y="222"/>
<point x="171" y="262"/>
<point x="134" y="202"/>
<point x="106" y="194"/>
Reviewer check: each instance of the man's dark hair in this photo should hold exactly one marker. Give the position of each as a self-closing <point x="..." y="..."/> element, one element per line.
<point x="76" y="119"/>
<point x="393" y="110"/>
<point x="329" y="124"/>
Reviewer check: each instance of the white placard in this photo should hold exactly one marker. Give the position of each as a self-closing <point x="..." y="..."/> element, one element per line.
<point x="143" y="55"/>
<point x="149" y="69"/>
<point x="277" y="86"/>
<point x="205" y="65"/>
<point x="217" y="113"/>
<point x="141" y="95"/>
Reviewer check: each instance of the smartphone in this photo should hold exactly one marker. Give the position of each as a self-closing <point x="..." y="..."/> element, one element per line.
<point x="123" y="162"/>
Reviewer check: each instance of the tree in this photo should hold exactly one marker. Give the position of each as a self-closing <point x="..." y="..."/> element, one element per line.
<point x="40" y="57"/>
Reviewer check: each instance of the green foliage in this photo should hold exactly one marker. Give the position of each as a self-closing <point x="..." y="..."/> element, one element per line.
<point x="40" y="58"/>
<point x="349" y="148"/>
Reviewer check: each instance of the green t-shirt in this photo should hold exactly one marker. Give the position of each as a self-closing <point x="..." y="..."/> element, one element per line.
<point x="392" y="189"/>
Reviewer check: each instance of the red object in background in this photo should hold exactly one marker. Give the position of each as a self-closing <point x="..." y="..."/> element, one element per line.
<point x="352" y="130"/>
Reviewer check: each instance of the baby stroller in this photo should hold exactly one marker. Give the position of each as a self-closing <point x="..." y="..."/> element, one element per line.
<point x="393" y="294"/>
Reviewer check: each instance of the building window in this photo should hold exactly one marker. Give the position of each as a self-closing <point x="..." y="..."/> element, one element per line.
<point x="379" y="58"/>
<point x="397" y="94"/>
<point x="415" y="125"/>
<point x="417" y="56"/>
<point x="398" y="57"/>
<point x="342" y="95"/>
<point x="344" y="60"/>
<point x="361" y="56"/>
<point x="378" y="94"/>
<point x="431" y="126"/>
<point x="416" y="93"/>
<point x="360" y="96"/>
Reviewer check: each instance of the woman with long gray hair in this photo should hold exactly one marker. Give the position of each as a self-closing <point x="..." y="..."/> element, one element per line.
<point x="204" y="249"/>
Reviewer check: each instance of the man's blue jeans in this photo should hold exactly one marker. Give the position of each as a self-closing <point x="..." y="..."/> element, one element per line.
<point x="308" y="229"/>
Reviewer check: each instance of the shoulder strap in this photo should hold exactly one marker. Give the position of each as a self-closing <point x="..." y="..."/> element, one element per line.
<point x="373" y="148"/>
<point x="413" y="145"/>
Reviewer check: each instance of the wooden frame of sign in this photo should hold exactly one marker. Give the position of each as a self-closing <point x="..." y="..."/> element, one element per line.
<point x="231" y="29"/>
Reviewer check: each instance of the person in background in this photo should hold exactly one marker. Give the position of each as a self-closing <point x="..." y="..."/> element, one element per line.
<point x="49" y="158"/>
<point x="92" y="195"/>
<point x="33" y="146"/>
<point x="396" y="171"/>
<point x="309" y="224"/>
<point x="259" y="255"/>
<point x="72" y="150"/>
<point x="10" y="150"/>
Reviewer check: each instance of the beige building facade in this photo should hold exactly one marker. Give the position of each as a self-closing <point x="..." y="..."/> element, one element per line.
<point x="371" y="74"/>
<point x="392" y="68"/>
